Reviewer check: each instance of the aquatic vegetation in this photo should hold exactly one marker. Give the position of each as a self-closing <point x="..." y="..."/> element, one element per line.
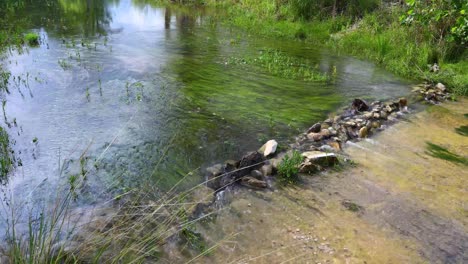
<point x="278" y="63"/>
<point x="288" y="169"/>
<point x="440" y="152"/>
<point x="379" y="35"/>
<point x="64" y="64"/>
<point x="6" y="159"/>
<point x="32" y="39"/>
<point x="88" y="96"/>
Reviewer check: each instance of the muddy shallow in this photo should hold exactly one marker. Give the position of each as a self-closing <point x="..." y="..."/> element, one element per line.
<point x="398" y="204"/>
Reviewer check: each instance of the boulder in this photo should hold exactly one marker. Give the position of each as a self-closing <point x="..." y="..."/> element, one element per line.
<point x="315" y="128"/>
<point x="253" y="183"/>
<point x="360" y="105"/>
<point x="269" y="148"/>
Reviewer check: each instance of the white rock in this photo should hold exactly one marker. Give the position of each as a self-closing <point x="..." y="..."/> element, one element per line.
<point x="269" y="147"/>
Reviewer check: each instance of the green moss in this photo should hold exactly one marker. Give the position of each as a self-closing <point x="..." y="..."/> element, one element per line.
<point x="443" y="153"/>
<point x="32" y="39"/>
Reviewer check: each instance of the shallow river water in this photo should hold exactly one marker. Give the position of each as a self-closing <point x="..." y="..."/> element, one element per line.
<point x="128" y="95"/>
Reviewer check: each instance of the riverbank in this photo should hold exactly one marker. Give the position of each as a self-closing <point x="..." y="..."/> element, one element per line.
<point x="378" y="36"/>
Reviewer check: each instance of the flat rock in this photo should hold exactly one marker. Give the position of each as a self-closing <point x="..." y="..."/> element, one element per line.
<point x="320" y="158"/>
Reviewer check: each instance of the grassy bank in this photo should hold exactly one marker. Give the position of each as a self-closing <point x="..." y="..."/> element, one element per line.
<point x="376" y="32"/>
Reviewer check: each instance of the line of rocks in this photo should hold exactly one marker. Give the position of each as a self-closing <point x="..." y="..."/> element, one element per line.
<point x="320" y="143"/>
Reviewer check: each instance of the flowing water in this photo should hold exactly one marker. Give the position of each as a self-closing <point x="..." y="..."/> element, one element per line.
<point x="402" y="202"/>
<point x="129" y="93"/>
<point x="132" y="95"/>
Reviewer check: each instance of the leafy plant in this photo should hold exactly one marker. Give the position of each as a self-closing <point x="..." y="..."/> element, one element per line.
<point x="447" y="20"/>
<point x="288" y="169"/>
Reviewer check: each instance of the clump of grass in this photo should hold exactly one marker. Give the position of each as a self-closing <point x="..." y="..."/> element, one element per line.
<point x="32" y="39"/>
<point x="440" y="152"/>
<point x="288" y="169"/>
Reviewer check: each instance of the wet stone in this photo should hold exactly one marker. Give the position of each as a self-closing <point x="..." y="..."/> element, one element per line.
<point x="253" y="183"/>
<point x="315" y="128"/>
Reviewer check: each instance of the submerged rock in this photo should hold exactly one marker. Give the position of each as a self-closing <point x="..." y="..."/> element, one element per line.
<point x="360" y="105"/>
<point x="253" y="183"/>
<point x="267" y="170"/>
<point x="256" y="174"/>
<point x="251" y="161"/>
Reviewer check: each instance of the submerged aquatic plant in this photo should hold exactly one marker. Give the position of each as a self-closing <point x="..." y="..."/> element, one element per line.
<point x="440" y="152"/>
<point x="32" y="39"/>
<point x="283" y="65"/>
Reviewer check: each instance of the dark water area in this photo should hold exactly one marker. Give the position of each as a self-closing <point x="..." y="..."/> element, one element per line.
<point x="132" y="95"/>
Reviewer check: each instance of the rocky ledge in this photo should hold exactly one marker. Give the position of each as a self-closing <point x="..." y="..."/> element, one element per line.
<point x="321" y="144"/>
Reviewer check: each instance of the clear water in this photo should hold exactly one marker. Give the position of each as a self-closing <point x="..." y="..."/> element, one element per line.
<point x="144" y="94"/>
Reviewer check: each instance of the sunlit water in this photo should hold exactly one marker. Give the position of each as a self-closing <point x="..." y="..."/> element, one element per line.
<point x="144" y="95"/>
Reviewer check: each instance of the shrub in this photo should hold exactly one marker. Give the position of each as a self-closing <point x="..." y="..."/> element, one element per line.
<point x="289" y="167"/>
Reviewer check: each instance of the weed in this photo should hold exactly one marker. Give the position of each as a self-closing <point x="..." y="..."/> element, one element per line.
<point x="288" y="169"/>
